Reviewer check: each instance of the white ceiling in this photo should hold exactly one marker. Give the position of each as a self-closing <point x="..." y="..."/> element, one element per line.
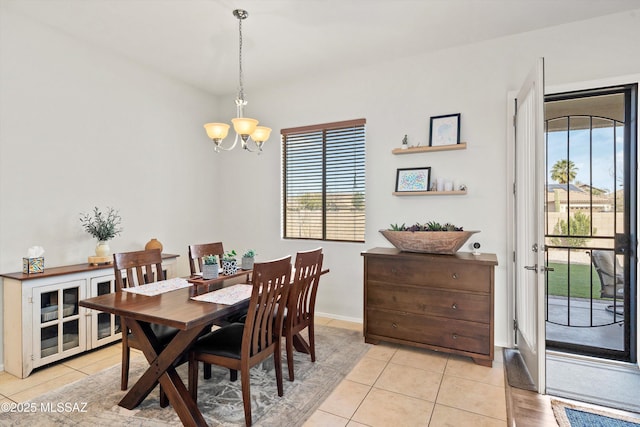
<point x="196" y="41"/>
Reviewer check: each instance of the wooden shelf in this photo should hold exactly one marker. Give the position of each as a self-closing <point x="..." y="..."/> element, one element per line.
<point x="429" y="193"/>
<point x="413" y="150"/>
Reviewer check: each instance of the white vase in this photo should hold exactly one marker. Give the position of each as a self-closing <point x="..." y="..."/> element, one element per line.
<point x="103" y="249"/>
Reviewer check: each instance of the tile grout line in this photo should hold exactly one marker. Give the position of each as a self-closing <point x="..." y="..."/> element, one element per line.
<point x="372" y="385"/>
<point x="435" y="401"/>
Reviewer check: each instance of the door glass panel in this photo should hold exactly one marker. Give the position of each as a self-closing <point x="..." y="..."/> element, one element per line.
<point x="70" y="297"/>
<point x="104" y="325"/>
<point x="104" y="287"/>
<point x="585" y="223"/>
<point x="49" y="340"/>
<point x="48" y="306"/>
<point x="70" y="337"/>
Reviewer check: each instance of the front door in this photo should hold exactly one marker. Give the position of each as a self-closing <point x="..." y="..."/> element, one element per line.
<point x="590" y="221"/>
<point x="529" y="225"/>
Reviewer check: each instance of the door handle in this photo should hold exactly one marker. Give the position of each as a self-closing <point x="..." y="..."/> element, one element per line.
<point x="531" y="267"/>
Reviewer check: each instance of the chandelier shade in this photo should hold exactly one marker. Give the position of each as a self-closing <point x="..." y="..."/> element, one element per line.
<point x="217" y="131"/>
<point x="246" y="129"/>
<point x="261" y="134"/>
<point x="244" y="126"/>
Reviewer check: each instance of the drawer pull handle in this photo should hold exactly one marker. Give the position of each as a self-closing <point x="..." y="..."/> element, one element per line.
<point x="454" y="306"/>
<point x="394" y="325"/>
<point x="454" y="336"/>
<point x="454" y="275"/>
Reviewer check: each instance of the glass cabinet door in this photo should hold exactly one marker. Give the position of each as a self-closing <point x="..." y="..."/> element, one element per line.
<point x="58" y="327"/>
<point x="105" y="327"/>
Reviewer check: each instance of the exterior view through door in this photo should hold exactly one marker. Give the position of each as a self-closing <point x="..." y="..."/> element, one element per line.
<point x="590" y="222"/>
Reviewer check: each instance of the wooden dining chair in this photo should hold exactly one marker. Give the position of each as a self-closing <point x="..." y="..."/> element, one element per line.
<point x="134" y="269"/>
<point x="301" y="305"/>
<point x="240" y="346"/>
<point x="197" y="252"/>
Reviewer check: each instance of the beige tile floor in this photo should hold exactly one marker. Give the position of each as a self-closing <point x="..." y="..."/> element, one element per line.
<point x="391" y="386"/>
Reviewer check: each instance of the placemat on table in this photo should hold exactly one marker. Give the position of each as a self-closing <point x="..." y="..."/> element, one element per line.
<point x="227" y="296"/>
<point x="157" y="288"/>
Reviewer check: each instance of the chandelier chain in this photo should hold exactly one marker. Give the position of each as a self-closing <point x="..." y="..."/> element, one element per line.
<point x="241" y="90"/>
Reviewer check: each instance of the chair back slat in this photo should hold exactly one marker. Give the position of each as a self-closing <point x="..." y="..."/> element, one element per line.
<point x="197" y="252"/>
<point x="271" y="282"/>
<point x="139" y="267"/>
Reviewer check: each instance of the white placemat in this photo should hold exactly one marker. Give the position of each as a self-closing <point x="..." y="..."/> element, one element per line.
<point x="227" y="296"/>
<point x="157" y="288"/>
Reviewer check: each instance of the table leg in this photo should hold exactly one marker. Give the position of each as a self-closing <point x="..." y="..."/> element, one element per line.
<point x="161" y="370"/>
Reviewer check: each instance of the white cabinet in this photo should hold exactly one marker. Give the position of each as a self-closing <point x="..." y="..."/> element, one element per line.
<point x="43" y="321"/>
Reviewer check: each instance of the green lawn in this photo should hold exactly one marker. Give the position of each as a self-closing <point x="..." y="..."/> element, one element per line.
<point x="579" y="280"/>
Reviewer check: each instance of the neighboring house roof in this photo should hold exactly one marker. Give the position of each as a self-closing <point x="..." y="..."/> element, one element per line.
<point x="572" y="187"/>
<point x="576" y="196"/>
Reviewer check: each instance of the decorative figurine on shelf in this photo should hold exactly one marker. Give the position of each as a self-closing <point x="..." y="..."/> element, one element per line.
<point x="405" y="143"/>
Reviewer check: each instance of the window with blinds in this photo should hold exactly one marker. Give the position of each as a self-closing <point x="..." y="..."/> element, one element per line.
<point x="323" y="179"/>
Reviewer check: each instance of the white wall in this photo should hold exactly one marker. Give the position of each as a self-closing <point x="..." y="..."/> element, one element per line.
<point x="77" y="125"/>
<point x="81" y="127"/>
<point x="398" y="98"/>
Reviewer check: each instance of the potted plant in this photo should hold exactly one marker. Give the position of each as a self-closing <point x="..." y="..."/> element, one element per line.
<point x="430" y="237"/>
<point x="248" y="259"/>
<point x="229" y="263"/>
<point x="210" y="267"/>
<point x="102" y="226"/>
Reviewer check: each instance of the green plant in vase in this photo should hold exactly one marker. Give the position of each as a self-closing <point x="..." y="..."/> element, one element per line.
<point x="248" y="259"/>
<point x="104" y="226"/>
<point x="210" y="267"/>
<point x="229" y="263"/>
<point x="430" y="237"/>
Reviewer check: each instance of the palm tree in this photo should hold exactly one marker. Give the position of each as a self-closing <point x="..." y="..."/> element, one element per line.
<point x="564" y="171"/>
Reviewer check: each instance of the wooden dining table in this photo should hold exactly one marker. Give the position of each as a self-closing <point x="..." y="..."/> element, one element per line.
<point x="176" y="309"/>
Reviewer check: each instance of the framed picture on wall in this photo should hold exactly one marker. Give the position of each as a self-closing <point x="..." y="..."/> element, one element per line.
<point x="444" y="130"/>
<point x="413" y="179"/>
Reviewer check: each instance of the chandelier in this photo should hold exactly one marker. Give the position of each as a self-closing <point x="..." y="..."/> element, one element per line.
<point x="246" y="129"/>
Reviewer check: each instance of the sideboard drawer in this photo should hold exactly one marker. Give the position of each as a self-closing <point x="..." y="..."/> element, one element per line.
<point x="455" y="334"/>
<point x="442" y="274"/>
<point x="427" y="301"/>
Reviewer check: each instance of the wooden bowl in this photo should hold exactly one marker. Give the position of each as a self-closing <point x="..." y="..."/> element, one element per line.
<point x="430" y="242"/>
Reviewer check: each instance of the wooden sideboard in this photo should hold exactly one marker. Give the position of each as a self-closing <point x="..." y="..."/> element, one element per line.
<point x="43" y="321"/>
<point x="439" y="302"/>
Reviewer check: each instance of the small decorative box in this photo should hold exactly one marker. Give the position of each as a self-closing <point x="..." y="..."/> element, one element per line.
<point x="33" y="265"/>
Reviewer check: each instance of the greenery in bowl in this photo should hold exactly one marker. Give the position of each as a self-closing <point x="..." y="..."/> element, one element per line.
<point x="250" y="253"/>
<point x="210" y="259"/>
<point x="102" y="226"/>
<point x="427" y="226"/>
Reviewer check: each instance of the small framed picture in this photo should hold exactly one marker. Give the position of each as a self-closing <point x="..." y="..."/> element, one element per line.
<point x="444" y="130"/>
<point x="413" y="179"/>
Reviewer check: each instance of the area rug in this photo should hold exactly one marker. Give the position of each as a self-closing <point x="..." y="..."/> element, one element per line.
<point x="569" y="415"/>
<point x="93" y="401"/>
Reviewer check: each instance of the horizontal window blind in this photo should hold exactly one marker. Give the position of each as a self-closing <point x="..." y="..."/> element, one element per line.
<point x="323" y="181"/>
